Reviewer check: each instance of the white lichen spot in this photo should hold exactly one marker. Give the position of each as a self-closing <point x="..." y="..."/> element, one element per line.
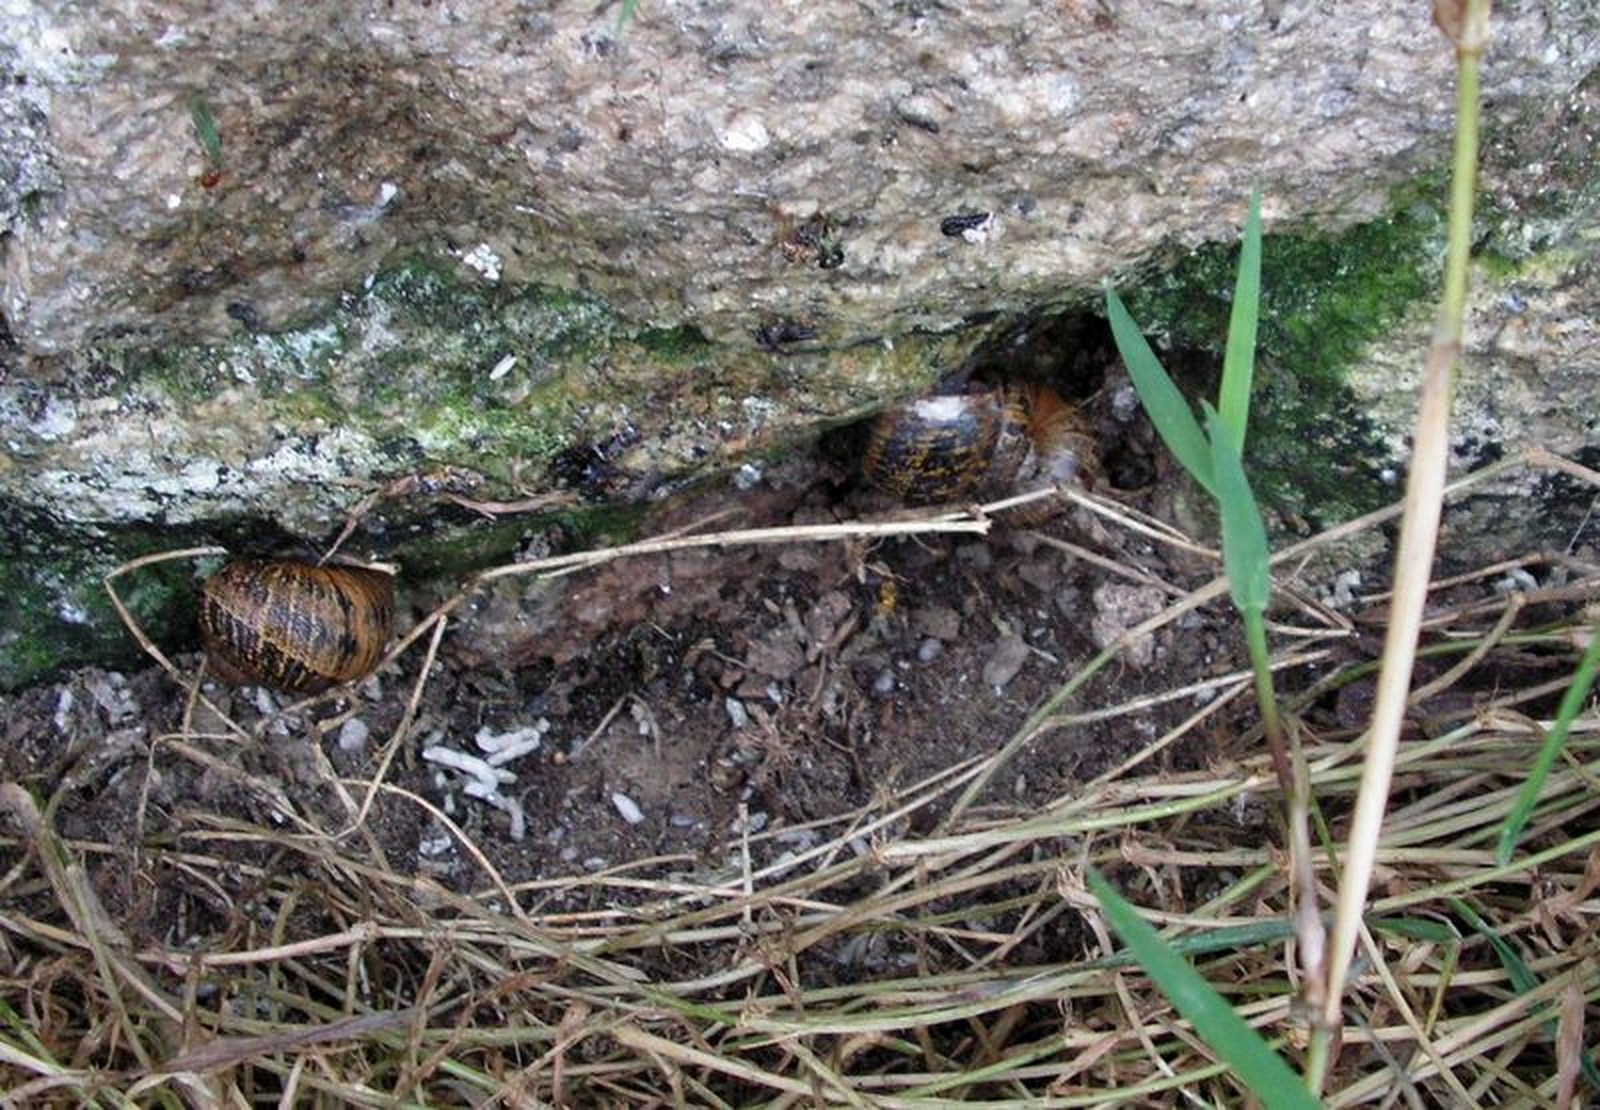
<point x="485" y="261"/>
<point x="174" y="202"/>
<point x="744" y="133"/>
<point x="63" y="713"/>
<point x="58" y="420"/>
<point x="757" y="411"/>
<point x="940" y="410"/>
<point x="747" y="477"/>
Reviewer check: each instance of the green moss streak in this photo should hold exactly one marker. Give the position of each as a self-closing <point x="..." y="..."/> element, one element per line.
<point x="54" y="610"/>
<point x="1324" y="299"/>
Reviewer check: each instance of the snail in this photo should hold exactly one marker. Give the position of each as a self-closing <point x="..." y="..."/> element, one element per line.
<point x="991" y="442"/>
<point x="295" y="626"/>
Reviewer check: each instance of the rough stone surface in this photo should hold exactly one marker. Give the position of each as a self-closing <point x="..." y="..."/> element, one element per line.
<point x="517" y="393"/>
<point x="830" y="170"/>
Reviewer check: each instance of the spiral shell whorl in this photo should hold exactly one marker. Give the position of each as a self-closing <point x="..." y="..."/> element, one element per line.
<point x="940" y="448"/>
<point x="295" y="626"/>
<point x="990" y="443"/>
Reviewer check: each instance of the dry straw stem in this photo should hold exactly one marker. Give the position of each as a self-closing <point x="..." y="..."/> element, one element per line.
<point x="1467" y="23"/>
<point x="860" y="964"/>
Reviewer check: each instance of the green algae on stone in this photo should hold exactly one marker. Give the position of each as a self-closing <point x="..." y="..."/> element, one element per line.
<point x="420" y="370"/>
<point x="1324" y="299"/>
<point x="55" y="612"/>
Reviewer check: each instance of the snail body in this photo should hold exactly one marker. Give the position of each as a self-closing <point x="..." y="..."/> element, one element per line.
<point x="1060" y="451"/>
<point x="991" y="442"/>
<point x="295" y="626"/>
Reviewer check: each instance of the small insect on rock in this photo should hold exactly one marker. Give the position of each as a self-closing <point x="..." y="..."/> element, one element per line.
<point x="295" y="626"/>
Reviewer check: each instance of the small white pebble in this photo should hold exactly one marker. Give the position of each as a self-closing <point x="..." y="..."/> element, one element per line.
<point x="502" y="368"/>
<point x="631" y="813"/>
<point x="736" y="712"/>
<point x="64" y="701"/>
<point x="353" y="735"/>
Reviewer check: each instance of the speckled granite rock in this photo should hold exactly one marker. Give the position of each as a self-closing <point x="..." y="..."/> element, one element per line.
<point x="830" y="169"/>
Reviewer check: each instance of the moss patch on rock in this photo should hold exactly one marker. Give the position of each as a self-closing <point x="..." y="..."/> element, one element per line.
<point x="1312" y="450"/>
<point x="512" y="391"/>
<point x="55" y="612"/>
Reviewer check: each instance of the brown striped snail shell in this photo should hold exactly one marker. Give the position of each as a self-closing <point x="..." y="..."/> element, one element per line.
<point x="945" y="447"/>
<point x="295" y="626"/>
<point x="989" y="443"/>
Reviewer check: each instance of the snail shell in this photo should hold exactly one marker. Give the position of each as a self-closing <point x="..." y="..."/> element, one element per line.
<point x="991" y="443"/>
<point x="948" y="446"/>
<point x="295" y="626"/>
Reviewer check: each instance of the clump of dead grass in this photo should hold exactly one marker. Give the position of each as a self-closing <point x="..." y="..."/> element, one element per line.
<point x="859" y="961"/>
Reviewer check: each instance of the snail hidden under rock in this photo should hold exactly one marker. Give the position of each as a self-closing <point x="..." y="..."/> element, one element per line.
<point x="990" y="442"/>
<point x="295" y="626"/>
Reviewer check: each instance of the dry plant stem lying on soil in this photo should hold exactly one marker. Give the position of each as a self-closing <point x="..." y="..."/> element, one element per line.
<point x="723" y="981"/>
<point x="975" y="521"/>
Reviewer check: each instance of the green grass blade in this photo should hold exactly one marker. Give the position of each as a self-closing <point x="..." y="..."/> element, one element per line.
<point x="1415" y="928"/>
<point x="1240" y="1046"/>
<point x="1521" y="975"/>
<point x="1571" y="703"/>
<point x="1517" y="970"/>
<point x="625" y="14"/>
<point x="1244" y="537"/>
<point x="1169" y="411"/>
<point x="1239" y="358"/>
<point x="206" y="130"/>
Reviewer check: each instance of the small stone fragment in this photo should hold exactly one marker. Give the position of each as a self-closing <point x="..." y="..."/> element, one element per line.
<point x="975" y="556"/>
<point x="631" y="813"/>
<point x="776" y="655"/>
<point x="929" y="650"/>
<point x="1041" y="574"/>
<point x="939" y="621"/>
<point x="1119" y="606"/>
<point x="353" y="736"/>
<point x="1009" y="653"/>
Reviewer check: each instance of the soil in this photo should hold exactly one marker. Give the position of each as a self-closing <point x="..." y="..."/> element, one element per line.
<point x="669" y="707"/>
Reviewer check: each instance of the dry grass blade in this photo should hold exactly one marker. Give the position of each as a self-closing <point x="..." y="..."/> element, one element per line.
<point x="869" y="964"/>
